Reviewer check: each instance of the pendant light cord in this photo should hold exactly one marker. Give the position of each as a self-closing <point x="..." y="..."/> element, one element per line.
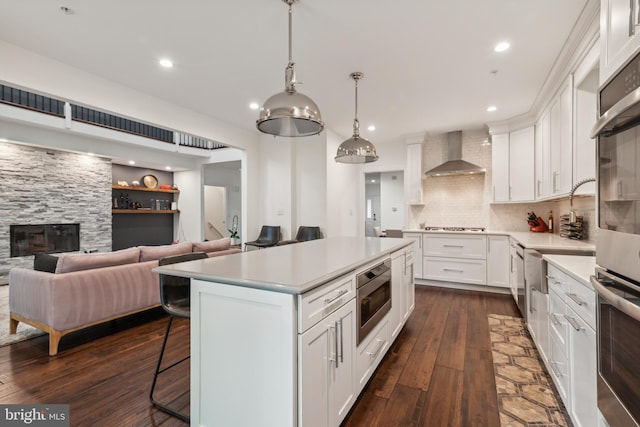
<point x="356" y="123"/>
<point x="290" y="72"/>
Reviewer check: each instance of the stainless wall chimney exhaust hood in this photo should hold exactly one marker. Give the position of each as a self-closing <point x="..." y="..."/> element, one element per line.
<point x="455" y="165"/>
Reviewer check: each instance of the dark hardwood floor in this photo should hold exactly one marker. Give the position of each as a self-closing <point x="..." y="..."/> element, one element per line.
<point x="439" y="372"/>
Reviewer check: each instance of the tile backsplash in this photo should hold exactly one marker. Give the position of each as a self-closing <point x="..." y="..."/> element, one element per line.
<point x="466" y="201"/>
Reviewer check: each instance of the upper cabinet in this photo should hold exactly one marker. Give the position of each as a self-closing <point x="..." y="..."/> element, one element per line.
<point x="554" y="145"/>
<point x="619" y="28"/>
<point x="413" y="176"/>
<point x="512" y="165"/>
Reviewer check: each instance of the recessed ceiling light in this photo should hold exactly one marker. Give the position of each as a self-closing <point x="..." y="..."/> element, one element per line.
<point x="254" y="105"/>
<point x="371" y="128"/>
<point x="502" y="46"/>
<point x="132" y="162"/>
<point x="491" y="108"/>
<point x="166" y="63"/>
<point x="168" y="168"/>
<point x="91" y="154"/>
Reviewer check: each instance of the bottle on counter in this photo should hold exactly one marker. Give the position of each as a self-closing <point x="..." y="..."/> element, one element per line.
<point x="550" y="221"/>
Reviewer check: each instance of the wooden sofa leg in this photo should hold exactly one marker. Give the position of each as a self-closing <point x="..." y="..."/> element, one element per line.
<point x="54" y="341"/>
<point x="13" y="325"/>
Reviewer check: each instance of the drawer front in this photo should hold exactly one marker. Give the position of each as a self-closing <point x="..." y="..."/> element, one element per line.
<point x="314" y="305"/>
<point x="441" y="245"/>
<point x="370" y="352"/>
<point x="557" y="280"/>
<point x="410" y="257"/>
<point x="583" y="301"/>
<point x="455" y="270"/>
<point x="559" y="368"/>
<point x="558" y="324"/>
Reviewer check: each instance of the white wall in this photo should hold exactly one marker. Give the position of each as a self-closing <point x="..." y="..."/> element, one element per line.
<point x="345" y="193"/>
<point x="392" y="200"/>
<point x="310" y="183"/>
<point x="188" y="225"/>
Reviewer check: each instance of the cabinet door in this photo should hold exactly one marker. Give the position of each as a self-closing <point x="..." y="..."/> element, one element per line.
<point x="397" y="294"/>
<point x="409" y="288"/>
<point x="417" y="248"/>
<point x="413" y="177"/>
<point x="326" y="368"/>
<point x="543" y="156"/>
<point x="561" y="122"/>
<point x="618" y="36"/>
<point x="582" y="340"/>
<point x="500" y="167"/>
<point x="584" y="149"/>
<point x="498" y="261"/>
<point x="513" y="273"/>
<point x="521" y="165"/>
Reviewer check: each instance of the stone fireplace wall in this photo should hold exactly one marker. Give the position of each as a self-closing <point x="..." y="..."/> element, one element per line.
<point x="41" y="186"/>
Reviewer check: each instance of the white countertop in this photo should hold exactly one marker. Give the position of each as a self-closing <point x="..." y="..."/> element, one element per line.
<point x="538" y="241"/>
<point x="292" y="269"/>
<point x="580" y="268"/>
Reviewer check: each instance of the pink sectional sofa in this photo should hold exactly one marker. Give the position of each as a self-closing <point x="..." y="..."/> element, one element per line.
<point x="88" y="289"/>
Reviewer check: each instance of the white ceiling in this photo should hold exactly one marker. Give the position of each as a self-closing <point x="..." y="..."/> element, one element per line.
<point x="427" y="63"/>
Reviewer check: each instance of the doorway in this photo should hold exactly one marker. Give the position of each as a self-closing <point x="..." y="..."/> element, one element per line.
<point x="222" y="204"/>
<point x="384" y="202"/>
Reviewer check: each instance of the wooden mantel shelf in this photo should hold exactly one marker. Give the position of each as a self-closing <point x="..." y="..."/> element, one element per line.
<point x="142" y="211"/>
<point x="157" y="190"/>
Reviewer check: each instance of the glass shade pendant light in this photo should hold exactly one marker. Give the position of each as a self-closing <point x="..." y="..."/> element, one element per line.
<point x="290" y="113"/>
<point x="356" y="149"/>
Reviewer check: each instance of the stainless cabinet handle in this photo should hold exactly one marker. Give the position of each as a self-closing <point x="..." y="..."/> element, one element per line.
<point x="554" y="368"/>
<point x="539" y="192"/>
<point x="554" y="319"/>
<point x="573" y="322"/>
<point x="577" y="300"/>
<point x="509" y="192"/>
<point x="335" y="327"/>
<point x="341" y="343"/>
<point x="453" y="246"/>
<point x="552" y="279"/>
<point x="338" y="295"/>
<point x="374" y="354"/>
<point x="555" y="174"/>
<point x="453" y="270"/>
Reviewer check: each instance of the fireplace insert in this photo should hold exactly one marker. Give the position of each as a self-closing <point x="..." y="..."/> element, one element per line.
<point x="49" y="238"/>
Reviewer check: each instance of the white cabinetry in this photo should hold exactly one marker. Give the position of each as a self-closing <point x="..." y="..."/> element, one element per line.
<point x="513" y="171"/>
<point x="417" y="247"/>
<point x="413" y="175"/>
<point x="460" y="258"/>
<point x="538" y="320"/>
<point x="572" y="361"/>
<point x="498" y="261"/>
<point x="513" y="271"/>
<point x="402" y="290"/>
<point x="554" y="145"/>
<point x="618" y="35"/>
<point x="327" y="368"/>
<point x="585" y="113"/>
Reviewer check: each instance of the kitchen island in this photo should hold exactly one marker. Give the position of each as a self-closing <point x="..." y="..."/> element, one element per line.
<point x="273" y="332"/>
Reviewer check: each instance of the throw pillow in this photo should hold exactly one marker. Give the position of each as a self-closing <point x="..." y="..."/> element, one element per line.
<point x="76" y="262"/>
<point x="150" y="253"/>
<point x="45" y="262"/>
<point x="212" y="245"/>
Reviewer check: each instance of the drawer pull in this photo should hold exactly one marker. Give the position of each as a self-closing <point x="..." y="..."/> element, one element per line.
<point x="338" y="295"/>
<point x="554" y="319"/>
<point x="553" y="279"/>
<point x="554" y="368"/>
<point x="453" y="270"/>
<point x="453" y="246"/>
<point x="573" y="322"/>
<point x="374" y="354"/>
<point x="576" y="299"/>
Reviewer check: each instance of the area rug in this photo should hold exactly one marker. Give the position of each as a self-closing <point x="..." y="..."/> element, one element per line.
<point x="24" y="331"/>
<point x="526" y="393"/>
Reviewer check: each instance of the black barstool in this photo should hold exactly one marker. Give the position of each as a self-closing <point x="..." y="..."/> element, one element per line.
<point x="175" y="300"/>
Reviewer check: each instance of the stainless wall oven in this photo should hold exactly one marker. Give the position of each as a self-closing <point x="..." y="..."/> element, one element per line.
<point x="617" y="282"/>
<point x="373" y="297"/>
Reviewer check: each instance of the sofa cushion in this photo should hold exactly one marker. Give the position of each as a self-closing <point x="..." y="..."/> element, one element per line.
<point x="45" y="262"/>
<point x="150" y="253"/>
<point x="212" y="245"/>
<point x="77" y="262"/>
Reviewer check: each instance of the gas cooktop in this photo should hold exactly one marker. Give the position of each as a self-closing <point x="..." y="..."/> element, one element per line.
<point x="463" y="229"/>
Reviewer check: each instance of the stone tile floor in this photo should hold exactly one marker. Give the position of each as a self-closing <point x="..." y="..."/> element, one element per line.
<point x="526" y="393"/>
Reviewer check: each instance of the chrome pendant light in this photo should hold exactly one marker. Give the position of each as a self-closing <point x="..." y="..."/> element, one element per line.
<point x="356" y="149"/>
<point x="290" y="113"/>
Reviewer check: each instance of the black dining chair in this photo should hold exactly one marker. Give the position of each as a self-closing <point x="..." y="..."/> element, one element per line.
<point x="269" y="236"/>
<point x="304" y="234"/>
<point x="175" y="300"/>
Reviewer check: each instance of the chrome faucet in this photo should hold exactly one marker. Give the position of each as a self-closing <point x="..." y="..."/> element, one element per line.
<point x="572" y="213"/>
